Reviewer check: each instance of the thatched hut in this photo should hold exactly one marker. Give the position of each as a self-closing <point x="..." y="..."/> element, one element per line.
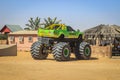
<point x="102" y="34"/>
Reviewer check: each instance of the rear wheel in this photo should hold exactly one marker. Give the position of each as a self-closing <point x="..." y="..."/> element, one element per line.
<point x="84" y="51"/>
<point x="61" y="51"/>
<point x="61" y="36"/>
<point x="39" y="51"/>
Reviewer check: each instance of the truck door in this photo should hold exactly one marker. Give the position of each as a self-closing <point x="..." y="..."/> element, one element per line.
<point x="71" y="32"/>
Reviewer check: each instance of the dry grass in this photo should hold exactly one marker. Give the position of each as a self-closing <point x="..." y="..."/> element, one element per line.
<point x="23" y="67"/>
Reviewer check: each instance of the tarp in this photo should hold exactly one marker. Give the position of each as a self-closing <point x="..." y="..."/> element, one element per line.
<point x="8" y="50"/>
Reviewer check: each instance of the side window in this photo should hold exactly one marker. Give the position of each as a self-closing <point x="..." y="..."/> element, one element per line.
<point x="30" y="39"/>
<point x="21" y="39"/>
<point x="70" y="28"/>
<point x="12" y="38"/>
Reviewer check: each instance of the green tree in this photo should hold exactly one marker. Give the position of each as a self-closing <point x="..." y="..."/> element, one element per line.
<point x="33" y="24"/>
<point x="3" y="36"/>
<point x="49" y="21"/>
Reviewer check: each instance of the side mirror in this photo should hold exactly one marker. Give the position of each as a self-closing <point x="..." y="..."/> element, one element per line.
<point x="78" y="30"/>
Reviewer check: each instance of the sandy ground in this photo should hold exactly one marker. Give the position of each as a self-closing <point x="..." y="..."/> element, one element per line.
<point x="23" y="67"/>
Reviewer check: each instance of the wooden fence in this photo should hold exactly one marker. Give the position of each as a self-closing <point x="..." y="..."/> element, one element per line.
<point x="3" y="42"/>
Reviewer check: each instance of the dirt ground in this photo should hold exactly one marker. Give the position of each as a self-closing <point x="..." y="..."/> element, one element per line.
<point x="23" y="67"/>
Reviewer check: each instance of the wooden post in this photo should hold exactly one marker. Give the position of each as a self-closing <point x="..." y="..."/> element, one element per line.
<point x="110" y="51"/>
<point x="97" y="42"/>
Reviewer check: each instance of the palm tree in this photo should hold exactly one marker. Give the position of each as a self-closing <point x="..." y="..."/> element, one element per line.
<point x="34" y="24"/>
<point x="49" y="21"/>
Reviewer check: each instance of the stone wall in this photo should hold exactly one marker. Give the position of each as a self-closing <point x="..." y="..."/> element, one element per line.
<point x="101" y="51"/>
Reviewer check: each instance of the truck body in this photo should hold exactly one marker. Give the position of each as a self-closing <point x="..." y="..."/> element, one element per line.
<point x="61" y="41"/>
<point x="56" y="30"/>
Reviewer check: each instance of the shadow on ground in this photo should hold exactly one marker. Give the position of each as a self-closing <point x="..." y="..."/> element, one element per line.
<point x="115" y="57"/>
<point x="74" y="59"/>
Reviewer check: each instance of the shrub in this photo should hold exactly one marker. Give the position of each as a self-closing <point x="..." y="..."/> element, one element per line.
<point x="3" y="36"/>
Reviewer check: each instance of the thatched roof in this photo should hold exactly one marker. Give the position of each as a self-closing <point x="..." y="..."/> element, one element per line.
<point x="107" y="30"/>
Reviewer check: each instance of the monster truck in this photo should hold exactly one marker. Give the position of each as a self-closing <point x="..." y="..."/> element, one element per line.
<point x="61" y="41"/>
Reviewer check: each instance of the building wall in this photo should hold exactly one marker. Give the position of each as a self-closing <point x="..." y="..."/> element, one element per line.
<point x="25" y="44"/>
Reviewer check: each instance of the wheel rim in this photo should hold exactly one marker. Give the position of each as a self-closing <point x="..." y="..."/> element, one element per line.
<point x="66" y="52"/>
<point x="87" y="51"/>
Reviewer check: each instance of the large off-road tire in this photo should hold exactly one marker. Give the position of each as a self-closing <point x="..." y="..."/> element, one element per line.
<point x="61" y="51"/>
<point x="84" y="51"/>
<point x="33" y="45"/>
<point x="38" y="51"/>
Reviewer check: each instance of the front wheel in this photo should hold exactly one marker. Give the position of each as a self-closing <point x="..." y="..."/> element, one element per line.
<point x="61" y="51"/>
<point x="84" y="51"/>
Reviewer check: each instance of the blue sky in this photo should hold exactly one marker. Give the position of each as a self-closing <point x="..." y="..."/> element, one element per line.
<point x="81" y="14"/>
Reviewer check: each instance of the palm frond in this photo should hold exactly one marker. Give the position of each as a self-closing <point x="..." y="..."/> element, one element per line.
<point x="34" y="24"/>
<point x="49" y="21"/>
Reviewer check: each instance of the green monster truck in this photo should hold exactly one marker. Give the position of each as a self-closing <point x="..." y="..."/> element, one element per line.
<point x="61" y="41"/>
